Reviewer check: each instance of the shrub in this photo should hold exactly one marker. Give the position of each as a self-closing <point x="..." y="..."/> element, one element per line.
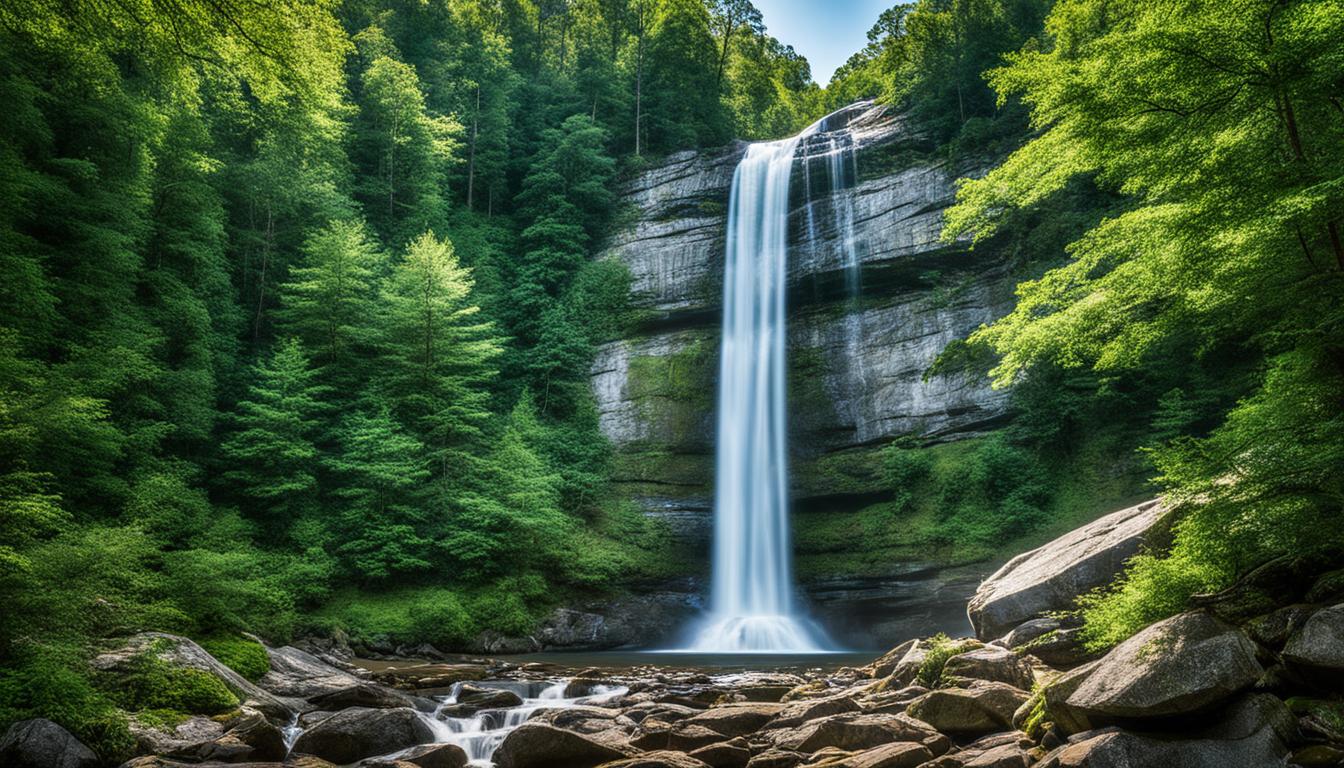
<point x="941" y="648"/>
<point x="244" y="656"/>
<point x="51" y="684"/>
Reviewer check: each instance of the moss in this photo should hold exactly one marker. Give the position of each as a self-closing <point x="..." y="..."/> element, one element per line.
<point x="153" y="684"/>
<point x="1037" y="721"/>
<point x="56" y="683"/>
<point x="243" y="655"/>
<point x="854" y="471"/>
<point x="940" y="649"/>
<point x="675" y="391"/>
<point x="161" y="719"/>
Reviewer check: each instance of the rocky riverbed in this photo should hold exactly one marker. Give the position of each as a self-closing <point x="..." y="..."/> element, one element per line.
<point x="1247" y="678"/>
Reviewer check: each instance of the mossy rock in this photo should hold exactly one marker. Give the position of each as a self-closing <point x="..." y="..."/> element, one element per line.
<point x="242" y="654"/>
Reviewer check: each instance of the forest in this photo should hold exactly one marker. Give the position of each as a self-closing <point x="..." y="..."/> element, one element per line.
<point x="300" y="298"/>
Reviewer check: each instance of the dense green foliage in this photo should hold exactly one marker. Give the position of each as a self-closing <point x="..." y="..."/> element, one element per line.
<point x="1220" y="125"/>
<point x="298" y="308"/>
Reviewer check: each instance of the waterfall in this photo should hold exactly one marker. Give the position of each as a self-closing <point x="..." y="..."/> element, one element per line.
<point x="752" y="606"/>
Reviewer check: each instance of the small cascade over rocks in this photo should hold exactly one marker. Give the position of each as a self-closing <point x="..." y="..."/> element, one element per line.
<point x="480" y="734"/>
<point x="752" y="603"/>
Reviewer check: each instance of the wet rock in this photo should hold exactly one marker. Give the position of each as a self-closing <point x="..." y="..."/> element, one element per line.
<point x="1184" y="664"/>
<point x="860" y="731"/>
<point x="181" y="652"/>
<point x="1250" y="734"/>
<point x="368" y="695"/>
<point x="422" y="676"/>
<point x="1273" y="629"/>
<point x="737" y="719"/>
<point x="537" y="745"/>
<point x="41" y="743"/>
<point x="1052" y="577"/>
<point x="293" y="761"/>
<point x="986" y="707"/>
<point x="424" y="756"/>
<point x="1320" y="642"/>
<point x="473" y="698"/>
<point x="359" y="732"/>
<point x="990" y="663"/>
<point x="725" y="754"/>
<point x="301" y="674"/>
<point x="1318" y="756"/>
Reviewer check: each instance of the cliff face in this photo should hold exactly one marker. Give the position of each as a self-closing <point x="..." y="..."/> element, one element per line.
<point x="857" y="358"/>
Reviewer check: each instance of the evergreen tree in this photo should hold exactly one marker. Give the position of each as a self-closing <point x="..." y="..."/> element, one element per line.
<point x="330" y="301"/>
<point x="438" y="356"/>
<point x="382" y="520"/>
<point x="270" y="453"/>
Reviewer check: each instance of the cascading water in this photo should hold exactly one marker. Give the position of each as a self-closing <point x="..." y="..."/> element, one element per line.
<point x="479" y="735"/>
<point x="752" y="606"/>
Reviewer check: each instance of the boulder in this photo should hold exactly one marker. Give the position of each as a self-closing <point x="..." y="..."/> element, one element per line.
<point x="887" y="662"/>
<point x="684" y="737"/>
<point x="1051" y="577"/>
<point x="725" y="754"/>
<point x="985" y="707"/>
<point x="181" y="652"/>
<point x="1057" y="693"/>
<point x="368" y="695"/>
<point x="737" y="719"/>
<point x="424" y="756"/>
<point x="990" y="663"/>
<point x="537" y="745"/>
<point x="1060" y="648"/>
<point x="860" y="731"/>
<point x="154" y="738"/>
<point x="252" y="738"/>
<point x="472" y="699"/>
<point x="1184" y="664"/>
<point x="661" y="759"/>
<point x="41" y="743"/>
<point x="1250" y="734"/>
<point x="798" y="712"/>
<point x="1320" y="642"/>
<point x="293" y="761"/>
<point x="1028" y="631"/>
<point x="300" y="674"/>
<point x="359" y="732"/>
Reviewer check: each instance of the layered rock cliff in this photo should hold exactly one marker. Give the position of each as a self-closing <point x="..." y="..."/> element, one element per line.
<point x="874" y="296"/>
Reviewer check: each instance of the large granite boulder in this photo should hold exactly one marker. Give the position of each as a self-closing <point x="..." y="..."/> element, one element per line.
<point x="985" y="707"/>
<point x="537" y="745"/>
<point x="990" y="663"/>
<point x="424" y="756"/>
<point x="251" y="738"/>
<point x="1249" y="734"/>
<point x="300" y="674"/>
<point x="660" y="759"/>
<point x="1051" y="577"/>
<point x="41" y="743"/>
<point x="1181" y="665"/>
<point x="899" y="755"/>
<point x="1320" y="642"/>
<point x="359" y="732"/>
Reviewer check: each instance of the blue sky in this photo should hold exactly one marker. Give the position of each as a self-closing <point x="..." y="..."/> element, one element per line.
<point x="827" y="32"/>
